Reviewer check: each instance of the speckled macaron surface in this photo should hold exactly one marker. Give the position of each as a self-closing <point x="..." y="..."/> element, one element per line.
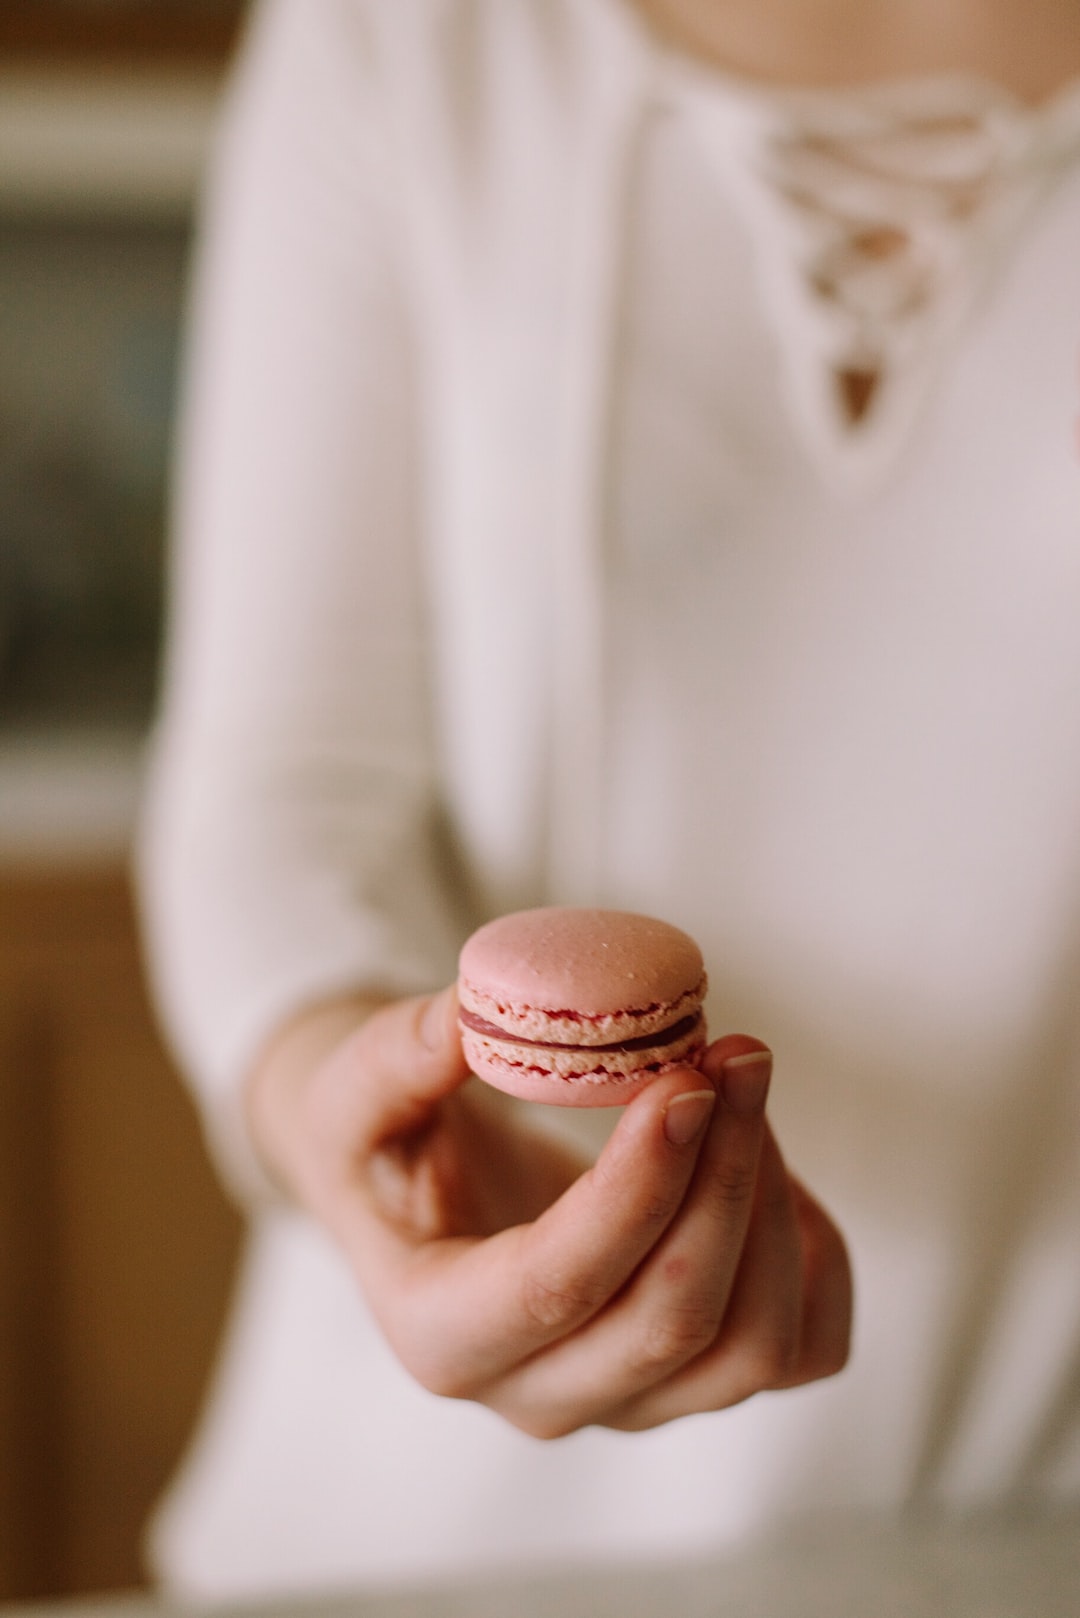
<point x="579" y="1007"/>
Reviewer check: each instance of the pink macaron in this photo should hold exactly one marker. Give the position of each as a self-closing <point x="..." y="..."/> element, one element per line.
<point x="581" y="1008"/>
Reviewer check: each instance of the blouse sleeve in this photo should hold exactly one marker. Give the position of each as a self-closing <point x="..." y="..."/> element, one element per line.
<point x="290" y="843"/>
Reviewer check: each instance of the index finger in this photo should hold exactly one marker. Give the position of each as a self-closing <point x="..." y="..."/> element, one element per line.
<point x="461" y="1312"/>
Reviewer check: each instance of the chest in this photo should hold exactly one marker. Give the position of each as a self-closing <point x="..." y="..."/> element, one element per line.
<point x="858" y="706"/>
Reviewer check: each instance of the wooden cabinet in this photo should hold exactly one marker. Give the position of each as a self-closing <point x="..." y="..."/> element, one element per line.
<point x="116" y="1246"/>
<point x="119" y="30"/>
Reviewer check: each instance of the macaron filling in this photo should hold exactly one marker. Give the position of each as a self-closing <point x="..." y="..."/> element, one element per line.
<point x="524" y="1020"/>
<point x="655" y="1041"/>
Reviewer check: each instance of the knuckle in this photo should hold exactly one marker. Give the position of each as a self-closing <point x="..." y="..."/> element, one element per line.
<point x="762" y="1364"/>
<point x="672" y="1338"/>
<point x="442" y="1382"/>
<point x="547" y="1426"/>
<point x="775" y="1361"/>
<point x="429" y="1357"/>
<point x="438" y="1375"/>
<point x="834" y="1360"/>
<point x="733" y="1186"/>
<point x="829" y="1359"/>
<point x="657" y="1210"/>
<point x="554" y="1304"/>
<point x="546" y="1419"/>
<point x="654" y="1208"/>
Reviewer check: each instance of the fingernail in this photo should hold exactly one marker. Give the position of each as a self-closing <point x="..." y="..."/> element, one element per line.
<point x="745" y="1079"/>
<point x="685" y="1117"/>
<point x="434" y="1021"/>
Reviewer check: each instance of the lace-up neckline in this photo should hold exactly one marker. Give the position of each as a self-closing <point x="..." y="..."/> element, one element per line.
<point x="884" y="212"/>
<point x="878" y="215"/>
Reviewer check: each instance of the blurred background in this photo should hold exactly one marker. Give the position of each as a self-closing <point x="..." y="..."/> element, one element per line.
<point x="116" y="1247"/>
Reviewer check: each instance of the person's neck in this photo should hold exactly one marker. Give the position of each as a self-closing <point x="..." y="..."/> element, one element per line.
<point x="1030" y="47"/>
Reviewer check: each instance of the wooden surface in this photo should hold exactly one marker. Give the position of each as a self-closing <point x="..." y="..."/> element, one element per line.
<point x="119" y="30"/>
<point x="116" y="1247"/>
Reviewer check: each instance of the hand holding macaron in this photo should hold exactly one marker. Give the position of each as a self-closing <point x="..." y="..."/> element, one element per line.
<point x="681" y="1272"/>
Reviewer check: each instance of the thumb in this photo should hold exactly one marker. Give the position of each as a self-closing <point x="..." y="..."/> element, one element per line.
<point x="410" y="1054"/>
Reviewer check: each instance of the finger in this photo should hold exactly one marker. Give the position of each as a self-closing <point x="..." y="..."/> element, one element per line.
<point x="380" y="1083"/>
<point x="405" y="1059"/>
<point x="758" y="1344"/>
<point x="828" y="1293"/>
<point x="464" y="1312"/>
<point x="749" y="1355"/>
<point x="671" y="1311"/>
<point x="760" y="1340"/>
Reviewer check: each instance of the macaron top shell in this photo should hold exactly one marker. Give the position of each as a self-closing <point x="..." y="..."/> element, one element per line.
<point x="596" y="975"/>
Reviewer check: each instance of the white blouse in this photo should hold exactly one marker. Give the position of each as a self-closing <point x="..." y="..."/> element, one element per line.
<point x="603" y="480"/>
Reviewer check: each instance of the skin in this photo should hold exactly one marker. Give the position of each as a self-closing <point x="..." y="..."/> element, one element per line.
<point x="682" y="1272"/>
<point x="687" y="1269"/>
<point x="1030" y="47"/>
